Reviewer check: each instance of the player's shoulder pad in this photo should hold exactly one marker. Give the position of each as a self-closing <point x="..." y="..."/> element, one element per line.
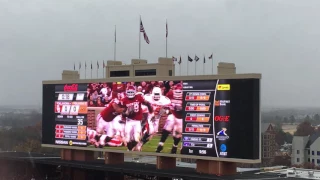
<point x="165" y="99"/>
<point x="147" y="97"/>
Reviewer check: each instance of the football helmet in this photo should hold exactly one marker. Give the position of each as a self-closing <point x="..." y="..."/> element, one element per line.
<point x="156" y="93"/>
<point x="177" y="91"/>
<point x="131" y="92"/>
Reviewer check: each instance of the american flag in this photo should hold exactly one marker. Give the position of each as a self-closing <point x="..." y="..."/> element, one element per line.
<point x="144" y="32"/>
<point x="97" y="64"/>
<point x="210" y="57"/>
<point x="179" y="60"/>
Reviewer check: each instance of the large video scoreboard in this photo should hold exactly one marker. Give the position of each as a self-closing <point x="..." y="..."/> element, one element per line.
<point x="220" y="118"/>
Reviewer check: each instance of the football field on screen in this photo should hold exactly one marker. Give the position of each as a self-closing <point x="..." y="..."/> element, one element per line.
<point x="151" y="145"/>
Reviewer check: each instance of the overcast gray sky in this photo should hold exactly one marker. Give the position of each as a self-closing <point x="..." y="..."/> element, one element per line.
<point x="278" y="38"/>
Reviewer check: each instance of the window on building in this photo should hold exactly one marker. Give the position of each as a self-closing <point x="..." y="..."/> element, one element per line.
<point x="318" y="153"/>
<point x="146" y="72"/>
<point x="308" y="159"/>
<point x="298" y="160"/>
<point x="170" y="72"/>
<point x="308" y="152"/>
<point x="318" y="161"/>
<point x="119" y="73"/>
<point x="312" y="160"/>
<point x="312" y="152"/>
<point x="298" y="151"/>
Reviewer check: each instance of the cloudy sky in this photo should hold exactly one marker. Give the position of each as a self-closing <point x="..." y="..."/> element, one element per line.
<point x="278" y="38"/>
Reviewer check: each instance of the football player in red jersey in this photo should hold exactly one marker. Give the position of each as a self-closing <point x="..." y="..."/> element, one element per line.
<point x="105" y="118"/>
<point x="174" y="120"/>
<point x="134" y="116"/>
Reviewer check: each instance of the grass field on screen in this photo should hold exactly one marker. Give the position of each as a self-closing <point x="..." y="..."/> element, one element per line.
<point x="151" y="145"/>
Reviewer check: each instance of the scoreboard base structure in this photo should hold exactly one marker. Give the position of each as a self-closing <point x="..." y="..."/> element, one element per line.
<point x="214" y="167"/>
<point x="219" y="168"/>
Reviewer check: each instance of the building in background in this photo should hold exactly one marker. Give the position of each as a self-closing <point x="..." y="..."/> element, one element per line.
<point x="140" y="67"/>
<point x="306" y="149"/>
<point x="268" y="143"/>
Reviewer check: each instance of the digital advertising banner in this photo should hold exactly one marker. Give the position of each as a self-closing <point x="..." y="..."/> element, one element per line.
<point x="212" y="118"/>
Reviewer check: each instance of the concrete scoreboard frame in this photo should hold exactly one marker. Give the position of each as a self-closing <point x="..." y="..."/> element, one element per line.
<point x="165" y="78"/>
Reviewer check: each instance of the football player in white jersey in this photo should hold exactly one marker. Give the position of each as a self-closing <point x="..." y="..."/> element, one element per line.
<point x="160" y="105"/>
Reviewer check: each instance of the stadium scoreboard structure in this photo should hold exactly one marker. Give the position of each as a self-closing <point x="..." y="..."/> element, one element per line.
<point x="220" y="116"/>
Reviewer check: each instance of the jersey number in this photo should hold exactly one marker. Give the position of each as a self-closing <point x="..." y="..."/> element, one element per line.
<point x="136" y="107"/>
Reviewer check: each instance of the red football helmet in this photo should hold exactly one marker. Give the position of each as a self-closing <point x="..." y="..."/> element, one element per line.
<point x="178" y="91"/>
<point x="131" y="92"/>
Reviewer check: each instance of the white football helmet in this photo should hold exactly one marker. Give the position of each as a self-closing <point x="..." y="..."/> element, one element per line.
<point x="156" y="93"/>
<point x="131" y="92"/>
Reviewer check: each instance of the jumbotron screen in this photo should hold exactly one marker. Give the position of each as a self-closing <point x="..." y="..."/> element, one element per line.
<point x="213" y="118"/>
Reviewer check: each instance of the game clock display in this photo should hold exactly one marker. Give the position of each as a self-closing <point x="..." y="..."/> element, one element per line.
<point x="213" y="118"/>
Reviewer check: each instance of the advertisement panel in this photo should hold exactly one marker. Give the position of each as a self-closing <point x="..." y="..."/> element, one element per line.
<point x="211" y="118"/>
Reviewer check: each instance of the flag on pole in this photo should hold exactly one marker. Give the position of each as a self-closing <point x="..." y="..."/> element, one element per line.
<point x="210" y="57"/>
<point x="79" y="65"/>
<point x="179" y="60"/>
<point x="104" y="65"/>
<point x="204" y="59"/>
<point x="85" y="65"/>
<point x="97" y="64"/>
<point x="189" y="59"/>
<point x="166" y="29"/>
<point x="74" y="66"/>
<point x="144" y="32"/>
<point x="196" y="58"/>
<point x="91" y="64"/>
<point x="174" y="59"/>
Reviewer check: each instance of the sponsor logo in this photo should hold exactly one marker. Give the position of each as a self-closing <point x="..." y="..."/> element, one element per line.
<point x="221" y="102"/>
<point x="223" y="150"/>
<point x="222" y="118"/>
<point x="72" y="87"/>
<point x="62" y="142"/>
<point x="223" y="87"/>
<point x="222" y="134"/>
<point x="72" y="143"/>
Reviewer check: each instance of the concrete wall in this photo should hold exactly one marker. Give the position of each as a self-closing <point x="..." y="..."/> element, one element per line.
<point x="162" y="67"/>
<point x="226" y="68"/>
<point x="69" y="75"/>
<point x="298" y="144"/>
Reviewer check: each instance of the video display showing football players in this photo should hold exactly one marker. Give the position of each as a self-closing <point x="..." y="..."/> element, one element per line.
<point x="136" y="116"/>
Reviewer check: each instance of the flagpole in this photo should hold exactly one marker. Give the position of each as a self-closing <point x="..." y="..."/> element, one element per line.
<point x="140" y="37"/>
<point x="212" y="63"/>
<point x="204" y="69"/>
<point x="180" y="69"/>
<point x="166" y="39"/>
<point x="85" y="70"/>
<point x="188" y="66"/>
<point x="91" y="69"/>
<point x="97" y="70"/>
<point x="115" y="42"/>
<point x="195" y="67"/>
